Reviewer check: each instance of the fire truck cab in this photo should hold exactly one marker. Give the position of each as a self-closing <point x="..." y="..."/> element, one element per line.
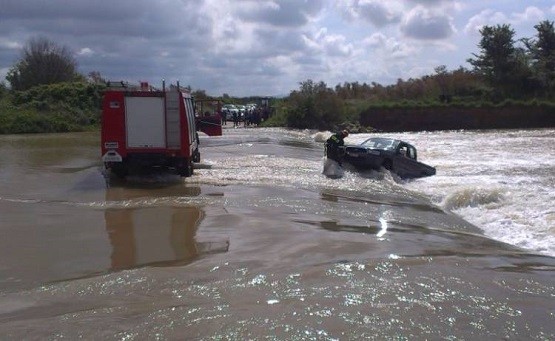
<point x="144" y="128"/>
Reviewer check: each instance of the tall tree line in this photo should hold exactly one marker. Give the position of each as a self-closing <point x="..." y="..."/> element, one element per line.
<point x="503" y="68"/>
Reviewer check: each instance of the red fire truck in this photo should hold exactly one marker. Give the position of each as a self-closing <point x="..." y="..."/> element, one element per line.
<point x="144" y="128"/>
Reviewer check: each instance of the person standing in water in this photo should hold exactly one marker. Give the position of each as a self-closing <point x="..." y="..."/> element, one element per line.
<point x="333" y="146"/>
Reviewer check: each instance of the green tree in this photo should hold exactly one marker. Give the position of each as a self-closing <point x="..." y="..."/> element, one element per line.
<point x="43" y="62"/>
<point x="499" y="61"/>
<point x="200" y="94"/>
<point x="314" y="105"/>
<point x="542" y="55"/>
<point x="3" y="89"/>
<point x="96" y="77"/>
<point x="441" y="77"/>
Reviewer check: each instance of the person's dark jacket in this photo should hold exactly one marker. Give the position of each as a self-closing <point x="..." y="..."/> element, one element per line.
<point x="333" y="147"/>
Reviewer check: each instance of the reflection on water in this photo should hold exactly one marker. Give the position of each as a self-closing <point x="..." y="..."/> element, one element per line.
<point x="154" y="235"/>
<point x="312" y="258"/>
<point x="335" y="227"/>
<point x="46" y="150"/>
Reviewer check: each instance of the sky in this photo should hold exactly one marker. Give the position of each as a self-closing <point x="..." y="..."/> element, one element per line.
<point x="262" y="47"/>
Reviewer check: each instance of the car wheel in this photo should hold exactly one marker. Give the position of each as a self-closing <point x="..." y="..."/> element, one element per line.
<point x="387" y="164"/>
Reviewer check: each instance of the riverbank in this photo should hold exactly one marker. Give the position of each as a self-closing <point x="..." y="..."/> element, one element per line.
<point x="432" y="118"/>
<point x="54" y="108"/>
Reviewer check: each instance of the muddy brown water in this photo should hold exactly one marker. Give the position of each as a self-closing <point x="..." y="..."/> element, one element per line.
<point x="256" y="245"/>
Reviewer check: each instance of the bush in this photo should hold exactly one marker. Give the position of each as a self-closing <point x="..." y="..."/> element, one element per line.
<point x="277" y="120"/>
<point x="314" y="106"/>
<point x="75" y="94"/>
<point x="61" y="107"/>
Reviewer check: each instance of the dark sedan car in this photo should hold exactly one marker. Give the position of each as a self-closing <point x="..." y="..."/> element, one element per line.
<point x="396" y="156"/>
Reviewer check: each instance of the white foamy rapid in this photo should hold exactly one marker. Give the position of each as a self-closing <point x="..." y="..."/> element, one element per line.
<point x="501" y="181"/>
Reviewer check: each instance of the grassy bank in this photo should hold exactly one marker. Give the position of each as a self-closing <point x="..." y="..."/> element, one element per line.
<point x="71" y="107"/>
<point x="62" y="107"/>
<point x="361" y="116"/>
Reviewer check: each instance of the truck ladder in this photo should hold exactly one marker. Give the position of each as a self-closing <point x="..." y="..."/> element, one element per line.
<point x="173" y="137"/>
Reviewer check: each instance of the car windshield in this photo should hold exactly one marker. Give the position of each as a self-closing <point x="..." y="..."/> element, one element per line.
<point x="379" y="143"/>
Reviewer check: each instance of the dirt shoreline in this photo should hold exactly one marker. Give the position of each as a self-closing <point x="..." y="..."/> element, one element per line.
<point x="452" y="118"/>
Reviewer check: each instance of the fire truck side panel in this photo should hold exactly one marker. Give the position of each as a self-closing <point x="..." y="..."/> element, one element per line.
<point x="113" y="123"/>
<point x="145" y="122"/>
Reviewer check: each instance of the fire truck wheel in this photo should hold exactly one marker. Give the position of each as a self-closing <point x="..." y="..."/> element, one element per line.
<point x="186" y="169"/>
<point x="120" y="171"/>
<point x="196" y="156"/>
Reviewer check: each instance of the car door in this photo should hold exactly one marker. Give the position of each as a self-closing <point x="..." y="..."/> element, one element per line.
<point x="405" y="163"/>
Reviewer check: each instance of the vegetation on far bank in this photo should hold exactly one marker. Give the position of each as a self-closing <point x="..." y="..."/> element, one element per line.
<point x="47" y="94"/>
<point x="60" y="107"/>
<point x="506" y="72"/>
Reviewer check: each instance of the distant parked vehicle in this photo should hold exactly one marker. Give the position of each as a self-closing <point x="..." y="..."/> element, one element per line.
<point x="242" y="112"/>
<point x="229" y="109"/>
<point x="396" y="156"/>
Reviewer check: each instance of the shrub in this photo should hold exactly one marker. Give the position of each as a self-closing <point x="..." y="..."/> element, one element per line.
<point x="60" y="107"/>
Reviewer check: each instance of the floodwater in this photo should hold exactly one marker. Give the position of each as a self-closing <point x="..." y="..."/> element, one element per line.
<point x="258" y="244"/>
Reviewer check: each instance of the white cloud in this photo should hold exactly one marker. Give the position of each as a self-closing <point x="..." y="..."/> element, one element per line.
<point x="3" y="74"/>
<point x="330" y="44"/>
<point x="486" y="17"/>
<point x="530" y="14"/>
<point x="427" y="2"/>
<point x="426" y="24"/>
<point x="235" y="46"/>
<point x="85" y="52"/>
<point x="10" y="44"/>
<point x="280" y="13"/>
<point x="376" y="12"/>
<point x="389" y="46"/>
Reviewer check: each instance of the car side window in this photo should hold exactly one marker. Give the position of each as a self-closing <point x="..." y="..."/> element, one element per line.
<point x="411" y="153"/>
<point x="403" y="150"/>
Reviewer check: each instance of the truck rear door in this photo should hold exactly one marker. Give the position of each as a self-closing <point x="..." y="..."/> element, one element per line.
<point x="145" y="122"/>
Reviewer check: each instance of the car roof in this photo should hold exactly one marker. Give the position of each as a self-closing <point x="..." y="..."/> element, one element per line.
<point x="384" y="140"/>
<point x="388" y="141"/>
